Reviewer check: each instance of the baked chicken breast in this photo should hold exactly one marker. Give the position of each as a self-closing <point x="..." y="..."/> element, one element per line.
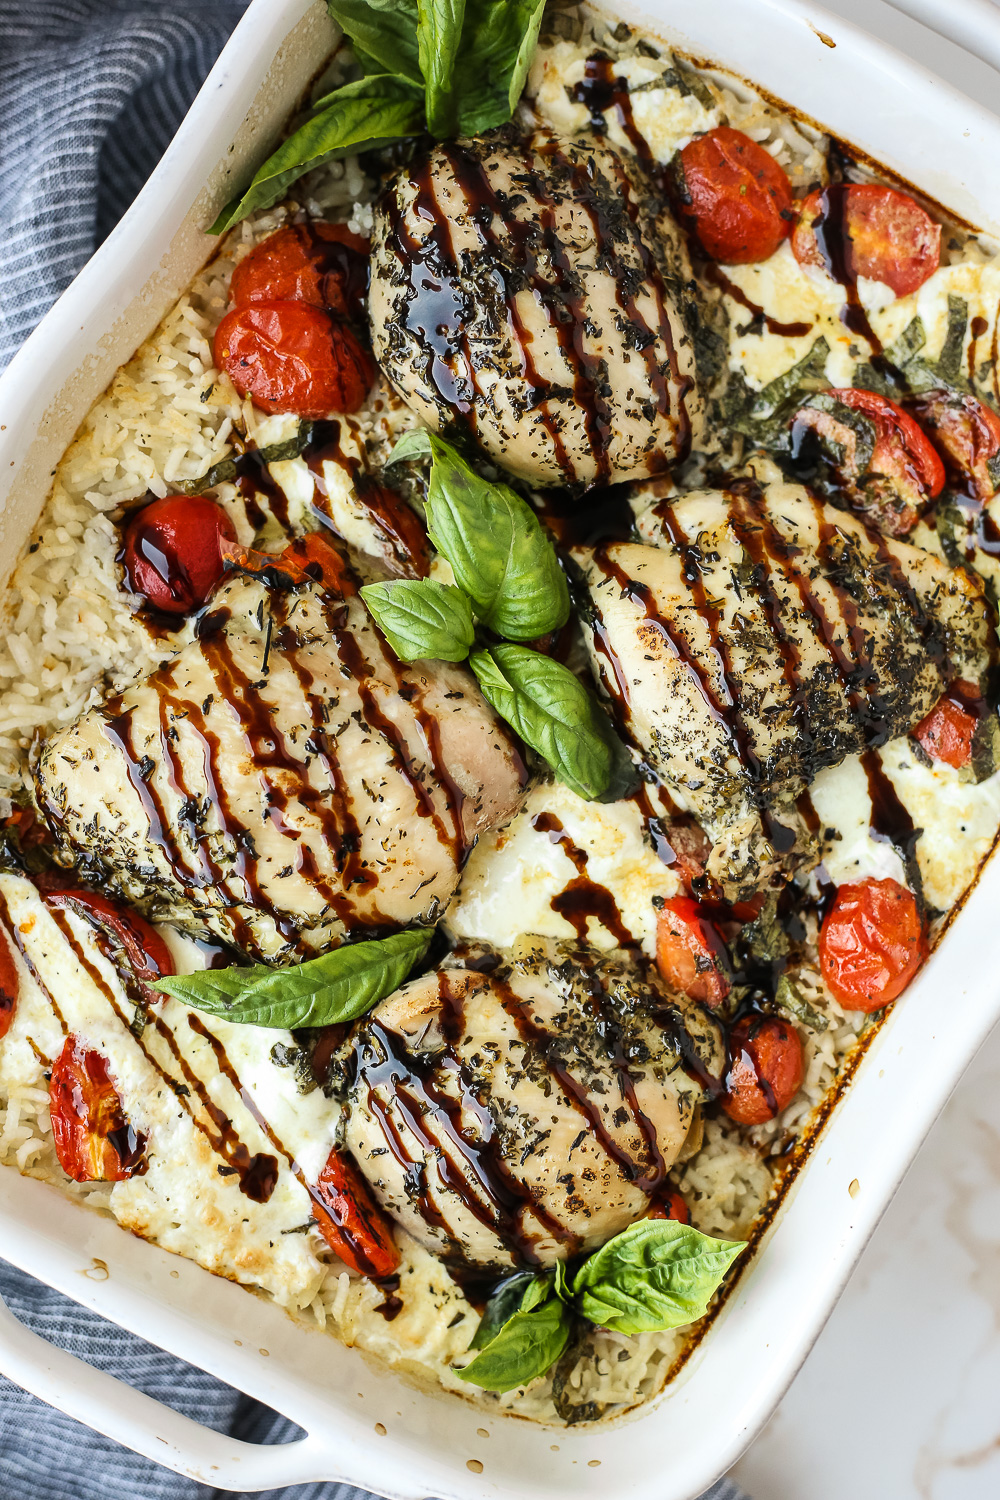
<point x="756" y="636"/>
<point x="284" y="778"/>
<point x="514" y="292"/>
<point x="516" y="1107"/>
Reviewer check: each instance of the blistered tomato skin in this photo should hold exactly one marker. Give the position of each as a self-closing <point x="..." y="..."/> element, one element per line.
<point x="736" y="197"/>
<point x="9" y="985"/>
<point x="173" y="552"/>
<point x="766" y="1068"/>
<point x="690" y="954"/>
<point x="968" y="433"/>
<point x="94" y="1140"/>
<point x="351" y="1221"/>
<point x="146" y="951"/>
<point x="885" y="236"/>
<point x="289" y="357"/>
<point x="324" y="265"/>
<point x="871" y="944"/>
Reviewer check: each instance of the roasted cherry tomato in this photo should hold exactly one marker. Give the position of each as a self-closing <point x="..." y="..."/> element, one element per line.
<point x="147" y="953"/>
<point x="290" y="357"/>
<point x="871" y="944"/>
<point x="94" y="1140"/>
<point x="173" y="551"/>
<point x="765" y="1070"/>
<point x="309" y="558"/>
<point x="861" y="229"/>
<point x="351" y="1221"/>
<point x="948" y="731"/>
<point x="882" y="459"/>
<point x="735" y="195"/>
<point x="9" y="985"/>
<point x="671" y="1206"/>
<point x="322" y="264"/>
<point x="690" y="954"/>
<point x="969" y="433"/>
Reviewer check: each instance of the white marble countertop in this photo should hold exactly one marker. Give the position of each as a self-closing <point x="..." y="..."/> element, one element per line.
<point x="900" y="1398"/>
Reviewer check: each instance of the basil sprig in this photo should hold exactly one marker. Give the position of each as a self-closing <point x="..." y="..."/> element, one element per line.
<point x="419" y="617"/>
<point x="451" y="67"/>
<point x="339" y="986"/>
<point x="499" y="551"/>
<point x="655" y="1275"/>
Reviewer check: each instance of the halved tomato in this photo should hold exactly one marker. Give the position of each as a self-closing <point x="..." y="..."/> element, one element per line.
<point x="690" y="954"/>
<point x="734" y="194"/>
<point x="882" y="460"/>
<point x="9" y="984"/>
<point x="969" y="433"/>
<point x="94" y="1139"/>
<point x="948" y="731"/>
<point x="671" y="1206"/>
<point x="146" y="951"/>
<point x="351" y="1221"/>
<point x="864" y="229"/>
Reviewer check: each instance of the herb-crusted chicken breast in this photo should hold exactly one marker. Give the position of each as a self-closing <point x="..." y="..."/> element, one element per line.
<point x="514" y="292"/>
<point x="755" y="637"/>
<point x="516" y="1107"/>
<point x="284" y="778"/>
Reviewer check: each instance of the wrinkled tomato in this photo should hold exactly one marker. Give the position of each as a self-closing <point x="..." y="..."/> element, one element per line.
<point x="9" y="984"/>
<point x="736" y="197"/>
<point x="871" y="944"/>
<point x="882" y="234"/>
<point x="690" y="954"/>
<point x="671" y="1206"/>
<point x="324" y="265"/>
<point x="765" y="1070"/>
<point x="290" y="357"/>
<point x="309" y="558"/>
<point x="173" y="551"/>
<point x="948" y="731"/>
<point x="351" y="1221"/>
<point x="969" y="433"/>
<point x="884" y="462"/>
<point x="94" y="1139"/>
<point x="147" y="953"/>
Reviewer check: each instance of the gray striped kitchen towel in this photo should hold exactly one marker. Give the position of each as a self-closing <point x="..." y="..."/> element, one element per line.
<point x="91" y="92"/>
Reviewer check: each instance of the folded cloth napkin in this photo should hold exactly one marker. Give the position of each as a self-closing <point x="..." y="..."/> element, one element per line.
<point x="91" y="92"/>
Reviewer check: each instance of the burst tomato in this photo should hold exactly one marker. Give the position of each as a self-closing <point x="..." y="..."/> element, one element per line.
<point x="765" y="1069"/>
<point x="9" y="984"/>
<point x="879" y="232"/>
<point x="671" y="1206"/>
<point x="947" y="732"/>
<point x="886" y="463"/>
<point x="735" y="195"/>
<point x="173" y="551"/>
<point x="147" y="953"/>
<point x="969" y="433"/>
<point x="690" y="954"/>
<point x="94" y="1140"/>
<point x="871" y="944"/>
<point x="322" y="264"/>
<point x="351" y="1221"/>
<point x="290" y="357"/>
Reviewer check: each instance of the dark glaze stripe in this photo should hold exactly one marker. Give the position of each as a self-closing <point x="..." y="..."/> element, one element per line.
<point x="714" y="274"/>
<point x="890" y="821"/>
<point x="11" y="927"/>
<point x="834" y="241"/>
<point x="395" y="521"/>
<point x="601" y="89"/>
<point x="117" y="727"/>
<point x="582" y="898"/>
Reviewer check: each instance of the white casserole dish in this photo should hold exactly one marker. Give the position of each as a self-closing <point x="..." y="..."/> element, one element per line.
<point x="363" y="1425"/>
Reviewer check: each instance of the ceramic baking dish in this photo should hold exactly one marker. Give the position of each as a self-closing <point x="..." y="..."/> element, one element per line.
<point x="362" y="1424"/>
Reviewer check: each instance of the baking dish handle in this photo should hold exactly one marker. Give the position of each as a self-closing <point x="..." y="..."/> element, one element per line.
<point x="972" y="24"/>
<point x="145" y="1425"/>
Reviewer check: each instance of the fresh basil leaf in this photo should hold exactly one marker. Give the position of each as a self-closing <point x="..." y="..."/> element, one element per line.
<point x="421" y="618"/>
<point x="368" y="112"/>
<point x="384" y="32"/>
<point x="561" y="1283"/>
<point x="791" y="1002"/>
<point x="339" y="986"/>
<point x="500" y="553"/>
<point x="552" y="711"/>
<point x="656" y="1274"/>
<point x="439" y="39"/>
<point x="525" y="1347"/>
<point x="498" y="43"/>
<point x="520" y="1292"/>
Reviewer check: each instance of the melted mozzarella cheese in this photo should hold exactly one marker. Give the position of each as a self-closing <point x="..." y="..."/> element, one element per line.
<point x="183" y="1201"/>
<point x="516" y="874"/>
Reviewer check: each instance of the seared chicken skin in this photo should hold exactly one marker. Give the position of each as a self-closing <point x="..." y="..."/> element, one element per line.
<point x="756" y="637"/>
<point x="514" y="291"/>
<point x="514" y="1108"/>
<point x="284" y="778"/>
